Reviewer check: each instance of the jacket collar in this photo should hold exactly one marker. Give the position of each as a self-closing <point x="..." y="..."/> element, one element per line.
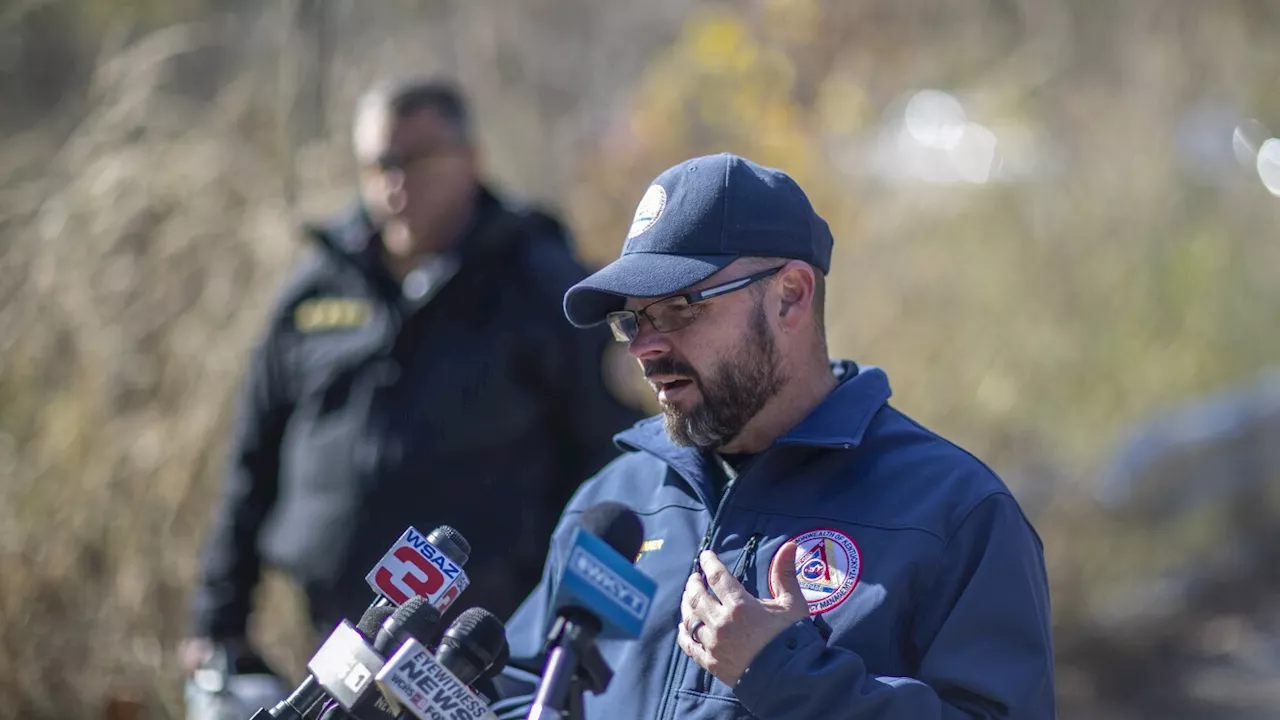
<point x="839" y="422"/>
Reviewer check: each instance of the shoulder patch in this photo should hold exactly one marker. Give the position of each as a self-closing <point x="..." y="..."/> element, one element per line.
<point x="828" y="565"/>
<point x="331" y="313"/>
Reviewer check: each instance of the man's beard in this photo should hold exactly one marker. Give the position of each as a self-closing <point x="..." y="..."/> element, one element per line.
<point x="734" y="392"/>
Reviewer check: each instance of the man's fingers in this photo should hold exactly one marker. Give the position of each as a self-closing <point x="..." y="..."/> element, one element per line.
<point x="787" y="593"/>
<point x="722" y="582"/>
<point x="695" y="651"/>
<point x="697" y="600"/>
<point x="193" y="652"/>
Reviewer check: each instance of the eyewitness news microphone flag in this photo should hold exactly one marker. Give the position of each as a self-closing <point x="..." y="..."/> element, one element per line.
<point x="413" y="680"/>
<point x="598" y="579"/>
<point x="415" y="566"/>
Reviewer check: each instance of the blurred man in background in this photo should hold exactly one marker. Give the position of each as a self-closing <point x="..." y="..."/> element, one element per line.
<point x="418" y="370"/>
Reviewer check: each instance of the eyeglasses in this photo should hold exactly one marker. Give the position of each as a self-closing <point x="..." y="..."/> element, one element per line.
<point x="675" y="312"/>
<point x="391" y="162"/>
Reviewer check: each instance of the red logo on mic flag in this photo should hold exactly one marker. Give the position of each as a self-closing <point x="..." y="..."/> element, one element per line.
<point x="425" y="581"/>
<point x="414" y="566"/>
<point x="451" y="594"/>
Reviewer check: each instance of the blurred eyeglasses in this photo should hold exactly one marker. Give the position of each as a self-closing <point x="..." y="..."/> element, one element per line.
<point x="402" y="161"/>
<point x="675" y="312"/>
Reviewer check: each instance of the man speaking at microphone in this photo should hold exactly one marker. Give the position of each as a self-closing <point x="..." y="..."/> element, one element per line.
<point x="817" y="553"/>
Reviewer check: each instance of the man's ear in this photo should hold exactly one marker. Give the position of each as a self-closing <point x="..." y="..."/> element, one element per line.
<point x="795" y="285"/>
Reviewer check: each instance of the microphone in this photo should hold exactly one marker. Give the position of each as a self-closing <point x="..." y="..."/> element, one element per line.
<point x="429" y="566"/>
<point x="346" y="671"/>
<point x="372" y="620"/>
<point x="414" y="619"/>
<point x="499" y="664"/>
<point x="309" y="692"/>
<point x="474" y="647"/>
<point x="600" y="595"/>
<point x="437" y="688"/>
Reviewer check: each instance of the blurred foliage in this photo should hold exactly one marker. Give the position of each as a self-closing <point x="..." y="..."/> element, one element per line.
<point x="1103" y="266"/>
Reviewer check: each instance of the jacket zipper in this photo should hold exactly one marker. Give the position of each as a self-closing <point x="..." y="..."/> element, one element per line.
<point x="740" y="571"/>
<point x="678" y="658"/>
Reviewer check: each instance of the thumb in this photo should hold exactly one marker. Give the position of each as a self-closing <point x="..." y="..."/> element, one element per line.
<point x="786" y="586"/>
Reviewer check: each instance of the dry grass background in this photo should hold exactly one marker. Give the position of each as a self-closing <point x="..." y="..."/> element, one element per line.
<point x="146" y="216"/>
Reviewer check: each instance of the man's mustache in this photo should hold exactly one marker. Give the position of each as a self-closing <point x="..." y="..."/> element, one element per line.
<point x="669" y="366"/>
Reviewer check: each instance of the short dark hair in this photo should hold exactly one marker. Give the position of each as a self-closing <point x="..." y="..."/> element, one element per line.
<point x="402" y="97"/>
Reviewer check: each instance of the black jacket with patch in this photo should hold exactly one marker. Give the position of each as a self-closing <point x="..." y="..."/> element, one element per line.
<point x="462" y="396"/>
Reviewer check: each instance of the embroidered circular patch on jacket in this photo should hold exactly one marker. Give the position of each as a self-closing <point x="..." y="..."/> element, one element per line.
<point x="828" y="564"/>
<point x="648" y="210"/>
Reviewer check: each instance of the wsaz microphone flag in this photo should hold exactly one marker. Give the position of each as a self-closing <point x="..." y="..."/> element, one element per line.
<point x="413" y="566"/>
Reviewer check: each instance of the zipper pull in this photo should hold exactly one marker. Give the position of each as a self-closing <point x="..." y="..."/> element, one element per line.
<point x="748" y="551"/>
<point x="704" y="545"/>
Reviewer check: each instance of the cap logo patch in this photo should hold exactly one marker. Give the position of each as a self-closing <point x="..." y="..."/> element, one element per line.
<point x="828" y="564"/>
<point x="648" y="211"/>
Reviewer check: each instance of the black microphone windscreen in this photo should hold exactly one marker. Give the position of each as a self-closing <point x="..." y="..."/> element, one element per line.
<point x="372" y="620"/>
<point x="499" y="664"/>
<point x="416" y="618"/>
<point x="451" y="543"/>
<point x="482" y="632"/>
<point x="473" y="644"/>
<point x="617" y="525"/>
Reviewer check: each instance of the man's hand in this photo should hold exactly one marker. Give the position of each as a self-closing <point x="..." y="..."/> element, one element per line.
<point x="724" y="635"/>
<point x="194" y="652"/>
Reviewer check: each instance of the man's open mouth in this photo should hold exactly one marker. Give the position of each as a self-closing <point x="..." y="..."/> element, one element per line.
<point x="668" y="389"/>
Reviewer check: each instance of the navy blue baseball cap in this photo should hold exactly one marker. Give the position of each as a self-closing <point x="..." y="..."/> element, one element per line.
<point x="695" y="219"/>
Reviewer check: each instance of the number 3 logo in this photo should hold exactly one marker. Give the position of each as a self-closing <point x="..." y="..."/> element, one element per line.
<point x="424" y="586"/>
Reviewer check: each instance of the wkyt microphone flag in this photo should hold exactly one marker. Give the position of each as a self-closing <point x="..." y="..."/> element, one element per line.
<point x="598" y="579"/>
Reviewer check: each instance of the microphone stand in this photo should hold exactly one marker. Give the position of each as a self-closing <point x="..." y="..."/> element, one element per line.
<point x="574" y="667"/>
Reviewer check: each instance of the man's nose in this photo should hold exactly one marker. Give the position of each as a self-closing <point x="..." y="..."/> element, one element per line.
<point x="648" y="343"/>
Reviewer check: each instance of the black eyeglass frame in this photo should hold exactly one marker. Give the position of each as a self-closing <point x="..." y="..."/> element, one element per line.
<point x="625" y="324"/>
<point x="401" y="162"/>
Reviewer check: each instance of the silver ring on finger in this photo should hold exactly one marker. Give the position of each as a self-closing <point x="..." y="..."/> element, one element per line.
<point x="693" y="631"/>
